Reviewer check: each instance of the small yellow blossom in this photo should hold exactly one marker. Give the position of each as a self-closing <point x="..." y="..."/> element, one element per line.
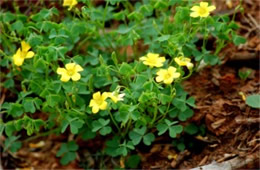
<point x="243" y="96"/>
<point x="167" y="75"/>
<point x="153" y="60"/>
<point x="22" y="53"/>
<point x="98" y="102"/>
<point x="70" y="72"/>
<point x="116" y="96"/>
<point x="184" y="61"/>
<point x="70" y="3"/>
<point x="202" y="11"/>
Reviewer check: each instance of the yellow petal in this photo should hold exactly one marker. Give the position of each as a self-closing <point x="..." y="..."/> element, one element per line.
<point x="103" y="105"/>
<point x="65" y="77"/>
<point x="105" y="95"/>
<point x="159" y="78"/>
<point x="66" y="2"/>
<point x="78" y="68"/>
<point x="92" y="103"/>
<point x="204" y="4"/>
<point x="25" y="46"/>
<point x="18" y="60"/>
<point x="75" y="77"/>
<point x="172" y="69"/>
<point x="168" y="81"/>
<point x="30" y="54"/>
<point x="143" y="58"/>
<point x="195" y="8"/>
<point x="211" y="8"/>
<point x="176" y="75"/>
<point x="61" y="71"/>
<point x="97" y="95"/>
<point x="194" y="14"/>
<point x="70" y="66"/>
<point x="95" y="109"/>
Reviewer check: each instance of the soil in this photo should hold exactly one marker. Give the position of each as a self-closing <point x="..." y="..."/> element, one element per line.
<point x="232" y="127"/>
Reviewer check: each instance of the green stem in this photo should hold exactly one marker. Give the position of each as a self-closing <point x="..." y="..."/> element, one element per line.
<point x="113" y="120"/>
<point x="42" y="134"/>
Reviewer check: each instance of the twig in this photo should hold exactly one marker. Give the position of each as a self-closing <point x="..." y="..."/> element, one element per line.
<point x="234" y="163"/>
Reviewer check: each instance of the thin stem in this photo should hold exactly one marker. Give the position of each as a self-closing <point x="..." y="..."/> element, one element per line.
<point x="113" y="120"/>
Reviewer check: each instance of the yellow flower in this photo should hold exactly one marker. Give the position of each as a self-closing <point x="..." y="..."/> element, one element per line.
<point x="167" y="75"/>
<point x="70" y="72"/>
<point x="153" y="60"/>
<point x="98" y="102"/>
<point x="115" y="96"/>
<point x="202" y="11"/>
<point x="183" y="61"/>
<point x="70" y="3"/>
<point x="22" y="53"/>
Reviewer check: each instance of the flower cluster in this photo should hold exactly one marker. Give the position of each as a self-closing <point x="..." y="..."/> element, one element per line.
<point x="98" y="101"/>
<point x="167" y="76"/>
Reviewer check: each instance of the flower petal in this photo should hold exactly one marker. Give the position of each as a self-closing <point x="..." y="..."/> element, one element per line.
<point x="25" y="46"/>
<point x="18" y="60"/>
<point x="194" y="14"/>
<point x="103" y="105"/>
<point x="78" y="68"/>
<point x="75" y="77"/>
<point x="65" y="77"/>
<point x="168" y="81"/>
<point x="30" y="54"/>
<point x="95" y="109"/>
<point x="61" y="71"/>
<point x="70" y="66"/>
<point x="195" y="8"/>
<point x="143" y="58"/>
<point x="159" y="78"/>
<point x="92" y="103"/>
<point x="105" y="95"/>
<point x="172" y="69"/>
<point x="204" y="4"/>
<point x="211" y="8"/>
<point x="176" y="75"/>
<point x="97" y="95"/>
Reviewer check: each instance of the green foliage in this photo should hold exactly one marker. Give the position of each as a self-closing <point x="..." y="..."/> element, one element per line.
<point x="67" y="152"/>
<point x="243" y="74"/>
<point x="107" y="41"/>
<point x="253" y="101"/>
<point x="12" y="144"/>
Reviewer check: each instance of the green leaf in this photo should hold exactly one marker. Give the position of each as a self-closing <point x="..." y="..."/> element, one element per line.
<point x="75" y="125"/>
<point x="191" y="129"/>
<point x="15" y="109"/>
<point x="9" y="83"/>
<point x="135" y="137"/>
<point x="238" y="39"/>
<point x="53" y="100"/>
<point x="28" y="105"/>
<point x="191" y="102"/>
<point x="184" y="115"/>
<point x="148" y="139"/>
<point x="174" y="130"/>
<point x="12" y="144"/>
<point x="126" y="69"/>
<point x="105" y="130"/>
<point x="9" y="128"/>
<point x="162" y="128"/>
<point x="17" y="26"/>
<point x="253" y="101"/>
<point x="133" y="161"/>
<point x="72" y="146"/>
<point x="67" y="158"/>
<point x="164" y="98"/>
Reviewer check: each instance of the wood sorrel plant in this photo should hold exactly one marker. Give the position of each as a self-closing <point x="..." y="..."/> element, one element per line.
<point x="74" y="65"/>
